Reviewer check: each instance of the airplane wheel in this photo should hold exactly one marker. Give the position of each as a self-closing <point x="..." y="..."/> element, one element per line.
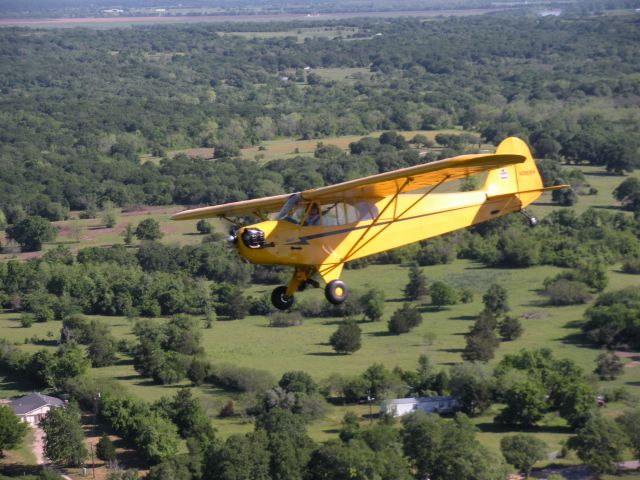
<point x="279" y="300"/>
<point x="336" y="292"/>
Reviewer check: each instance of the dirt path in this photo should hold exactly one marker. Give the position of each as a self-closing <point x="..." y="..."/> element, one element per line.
<point x="38" y="446"/>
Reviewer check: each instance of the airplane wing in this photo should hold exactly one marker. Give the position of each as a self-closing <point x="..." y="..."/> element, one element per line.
<point x="416" y="177"/>
<point x="374" y="186"/>
<point x="257" y="206"/>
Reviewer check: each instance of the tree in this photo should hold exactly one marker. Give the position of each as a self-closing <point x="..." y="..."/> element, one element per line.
<point x="447" y="450"/>
<point x="347" y="338"/>
<point x="472" y="385"/>
<point x="105" y="449"/>
<point x="69" y="361"/>
<point x="599" y="444"/>
<point x="372" y="303"/>
<point x="525" y="403"/>
<point x="442" y="294"/>
<point x="64" y="438"/>
<point x="109" y="217"/>
<point x="495" y="300"/>
<point x="298" y="382"/>
<point x="404" y="319"/>
<point x="628" y="194"/>
<point x="510" y="328"/>
<point x="31" y="233"/>
<point x="629" y="422"/>
<point x="203" y="227"/>
<point x="574" y="401"/>
<point x="12" y="430"/>
<point x="481" y="339"/>
<point x="148" y="229"/>
<point x="289" y="444"/>
<point x="608" y="366"/>
<point x="156" y="438"/>
<point x="523" y="451"/>
<point x="417" y="286"/>
<point x="128" y="234"/>
<point x="241" y="457"/>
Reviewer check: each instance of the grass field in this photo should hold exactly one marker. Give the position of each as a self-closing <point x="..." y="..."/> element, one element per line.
<point x="301" y="34"/>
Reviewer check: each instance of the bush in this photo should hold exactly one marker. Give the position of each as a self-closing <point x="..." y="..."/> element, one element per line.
<point x="346" y="339"/>
<point x="404" y="319"/>
<point x="241" y="379"/>
<point x="442" y="294"/>
<point x="203" y="227"/>
<point x="105" y="449"/>
<point x="510" y="328"/>
<point x="282" y="319"/>
<point x="567" y="292"/>
<point x="632" y="266"/>
<point x="26" y="320"/>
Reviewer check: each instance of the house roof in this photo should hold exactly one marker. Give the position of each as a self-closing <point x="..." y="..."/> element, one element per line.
<point x="23" y="405"/>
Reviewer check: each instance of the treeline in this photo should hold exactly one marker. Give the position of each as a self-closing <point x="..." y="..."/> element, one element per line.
<point x="79" y="107"/>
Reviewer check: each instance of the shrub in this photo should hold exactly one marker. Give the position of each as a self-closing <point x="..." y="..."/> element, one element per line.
<point x="510" y="328"/>
<point x="105" y="449"/>
<point x="203" y="227"/>
<point x="346" y="339"/>
<point x="442" y="294"/>
<point x="632" y="266"/>
<point x="241" y="379"/>
<point x="567" y="292"/>
<point x="404" y="319"/>
<point x="26" y="320"/>
<point x="282" y="319"/>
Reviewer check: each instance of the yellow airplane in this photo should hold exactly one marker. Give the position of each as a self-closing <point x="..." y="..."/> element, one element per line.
<point x="319" y="230"/>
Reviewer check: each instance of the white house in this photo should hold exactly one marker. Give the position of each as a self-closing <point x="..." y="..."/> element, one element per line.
<point x="403" y="406"/>
<point x="33" y="408"/>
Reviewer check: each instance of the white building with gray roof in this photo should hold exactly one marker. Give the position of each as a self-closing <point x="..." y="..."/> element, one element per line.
<point x="33" y="408"/>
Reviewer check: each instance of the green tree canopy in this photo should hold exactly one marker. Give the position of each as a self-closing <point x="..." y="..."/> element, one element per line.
<point x="522" y="451"/>
<point x="31" y="233"/>
<point x="12" y="430"/>
<point x="64" y="437"/>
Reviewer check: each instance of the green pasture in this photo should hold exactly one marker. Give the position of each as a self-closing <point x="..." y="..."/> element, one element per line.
<point x="251" y="342"/>
<point x="301" y="34"/>
<point x="347" y="75"/>
<point x="289" y="148"/>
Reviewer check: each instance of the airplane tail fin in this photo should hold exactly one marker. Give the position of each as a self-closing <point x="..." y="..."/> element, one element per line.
<point x="521" y="179"/>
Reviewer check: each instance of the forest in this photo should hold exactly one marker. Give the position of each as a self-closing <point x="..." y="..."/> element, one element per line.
<point x="78" y="108"/>
<point x="132" y="331"/>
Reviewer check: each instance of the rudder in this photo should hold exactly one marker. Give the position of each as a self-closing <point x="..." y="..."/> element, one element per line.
<point x="522" y="179"/>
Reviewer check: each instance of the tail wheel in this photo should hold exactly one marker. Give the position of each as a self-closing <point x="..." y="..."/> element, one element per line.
<point x="279" y="298"/>
<point x="336" y="292"/>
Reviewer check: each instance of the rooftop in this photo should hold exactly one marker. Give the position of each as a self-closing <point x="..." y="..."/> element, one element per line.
<point x="36" y="400"/>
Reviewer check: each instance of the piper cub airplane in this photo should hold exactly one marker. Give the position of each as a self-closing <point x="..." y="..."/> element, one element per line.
<point x="319" y="230"/>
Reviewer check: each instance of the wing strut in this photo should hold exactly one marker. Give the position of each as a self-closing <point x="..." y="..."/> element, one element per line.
<point x="357" y="246"/>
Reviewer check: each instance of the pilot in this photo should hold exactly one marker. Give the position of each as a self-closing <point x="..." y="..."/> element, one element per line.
<point x="313" y="216"/>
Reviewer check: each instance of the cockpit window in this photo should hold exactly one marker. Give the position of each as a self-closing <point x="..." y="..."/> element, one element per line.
<point x="292" y="210"/>
<point x="300" y="212"/>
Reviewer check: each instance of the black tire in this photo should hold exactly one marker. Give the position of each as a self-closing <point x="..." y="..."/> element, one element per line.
<point x="336" y="292"/>
<point x="279" y="299"/>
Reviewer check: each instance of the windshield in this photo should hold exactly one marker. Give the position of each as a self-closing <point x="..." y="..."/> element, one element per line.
<point x="289" y="209"/>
